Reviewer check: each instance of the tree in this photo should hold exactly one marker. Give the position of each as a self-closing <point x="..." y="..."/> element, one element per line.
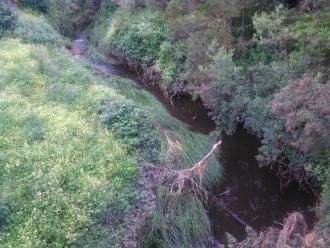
<point x="225" y="94"/>
<point x="304" y="105"/>
<point x="226" y="10"/>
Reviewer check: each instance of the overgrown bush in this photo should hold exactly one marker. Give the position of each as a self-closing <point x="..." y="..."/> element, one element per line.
<point x="170" y="61"/>
<point x="225" y="94"/>
<point x="305" y="107"/>
<point x="133" y="125"/>
<point x="138" y="37"/>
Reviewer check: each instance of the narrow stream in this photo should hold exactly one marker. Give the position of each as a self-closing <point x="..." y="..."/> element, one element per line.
<point x="194" y="114"/>
<point x="252" y="193"/>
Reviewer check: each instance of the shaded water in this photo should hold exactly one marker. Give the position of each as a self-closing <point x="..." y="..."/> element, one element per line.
<point x="253" y="194"/>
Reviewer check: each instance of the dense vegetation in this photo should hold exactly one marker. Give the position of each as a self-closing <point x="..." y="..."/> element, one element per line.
<point x="70" y="139"/>
<point x="263" y="65"/>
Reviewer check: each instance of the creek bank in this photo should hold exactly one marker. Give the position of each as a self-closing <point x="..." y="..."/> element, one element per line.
<point x="151" y="79"/>
<point x="252" y="193"/>
<point x="193" y="113"/>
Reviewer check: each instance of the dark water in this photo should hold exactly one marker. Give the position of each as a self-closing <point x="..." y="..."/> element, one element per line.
<point x="253" y="194"/>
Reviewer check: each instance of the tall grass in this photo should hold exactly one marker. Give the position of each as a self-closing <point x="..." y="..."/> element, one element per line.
<point x="179" y="221"/>
<point x="192" y="146"/>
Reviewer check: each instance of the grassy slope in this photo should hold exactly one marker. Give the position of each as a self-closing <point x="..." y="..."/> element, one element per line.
<point x="59" y="168"/>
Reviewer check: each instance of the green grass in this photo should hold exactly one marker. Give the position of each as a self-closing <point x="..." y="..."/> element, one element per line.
<point x="59" y="168"/>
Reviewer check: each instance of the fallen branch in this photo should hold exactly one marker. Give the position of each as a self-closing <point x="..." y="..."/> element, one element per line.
<point x="188" y="176"/>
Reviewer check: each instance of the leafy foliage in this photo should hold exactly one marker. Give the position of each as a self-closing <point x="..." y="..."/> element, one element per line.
<point x="171" y="60"/>
<point x="139" y="38"/>
<point x="224" y="93"/>
<point x="133" y="125"/>
<point x="305" y="107"/>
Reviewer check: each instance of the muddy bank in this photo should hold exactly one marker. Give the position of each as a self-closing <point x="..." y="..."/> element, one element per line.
<point x="253" y="194"/>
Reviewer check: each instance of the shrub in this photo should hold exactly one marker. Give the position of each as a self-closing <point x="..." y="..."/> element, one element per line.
<point x="171" y="60"/>
<point x="224" y="95"/>
<point x="133" y="125"/>
<point x="35" y="29"/>
<point x="7" y="19"/>
<point x="304" y="105"/>
<point x="40" y="5"/>
<point x="138" y="37"/>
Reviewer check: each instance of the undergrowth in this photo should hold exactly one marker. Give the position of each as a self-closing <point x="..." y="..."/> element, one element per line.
<point x="133" y="125"/>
